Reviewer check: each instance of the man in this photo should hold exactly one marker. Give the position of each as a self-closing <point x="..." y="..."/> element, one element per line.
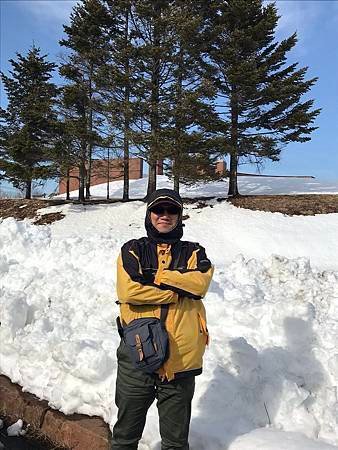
<point x="152" y="271"/>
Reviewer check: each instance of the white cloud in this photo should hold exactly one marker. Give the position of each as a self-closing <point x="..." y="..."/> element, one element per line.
<point x="302" y="15"/>
<point x="50" y="11"/>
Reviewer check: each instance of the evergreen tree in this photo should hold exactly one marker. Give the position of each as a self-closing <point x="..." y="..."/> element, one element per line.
<point x="87" y="41"/>
<point x="68" y="148"/>
<point x="155" y="38"/>
<point x="260" y="96"/>
<point x="172" y="92"/>
<point x="27" y="128"/>
<point x="116" y="80"/>
<point x="194" y="151"/>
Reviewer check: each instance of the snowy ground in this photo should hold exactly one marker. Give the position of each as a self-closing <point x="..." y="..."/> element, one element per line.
<point x="253" y="185"/>
<point x="270" y="373"/>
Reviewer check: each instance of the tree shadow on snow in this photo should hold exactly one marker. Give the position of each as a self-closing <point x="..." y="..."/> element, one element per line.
<point x="251" y="389"/>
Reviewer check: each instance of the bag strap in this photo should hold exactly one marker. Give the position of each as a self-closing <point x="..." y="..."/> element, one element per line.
<point x="164" y="312"/>
<point x="119" y="326"/>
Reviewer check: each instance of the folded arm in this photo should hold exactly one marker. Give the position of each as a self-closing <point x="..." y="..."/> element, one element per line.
<point x="192" y="282"/>
<point x="132" y="287"/>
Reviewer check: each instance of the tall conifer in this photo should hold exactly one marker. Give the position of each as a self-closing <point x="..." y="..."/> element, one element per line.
<point x="260" y="96"/>
<point x="116" y="80"/>
<point x="193" y="150"/>
<point x="27" y="127"/>
<point x="86" y="39"/>
<point x="155" y="37"/>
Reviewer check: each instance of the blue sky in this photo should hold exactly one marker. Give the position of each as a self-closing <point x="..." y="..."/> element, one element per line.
<point x="316" y="22"/>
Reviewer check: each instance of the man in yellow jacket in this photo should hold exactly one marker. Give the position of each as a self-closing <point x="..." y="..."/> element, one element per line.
<point x="153" y="271"/>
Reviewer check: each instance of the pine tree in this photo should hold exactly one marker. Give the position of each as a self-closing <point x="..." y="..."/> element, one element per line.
<point x="28" y="123"/>
<point x="260" y="96"/>
<point x="155" y="37"/>
<point x="173" y="95"/>
<point x="87" y="41"/>
<point x="194" y="150"/>
<point x="116" y="80"/>
<point x="68" y="148"/>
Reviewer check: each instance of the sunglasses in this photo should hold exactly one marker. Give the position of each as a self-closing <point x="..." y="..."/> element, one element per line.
<point x="161" y="209"/>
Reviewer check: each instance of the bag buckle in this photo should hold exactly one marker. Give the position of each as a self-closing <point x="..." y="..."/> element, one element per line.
<point x="139" y="346"/>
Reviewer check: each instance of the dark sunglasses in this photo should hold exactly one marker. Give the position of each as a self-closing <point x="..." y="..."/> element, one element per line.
<point x="161" y="209"/>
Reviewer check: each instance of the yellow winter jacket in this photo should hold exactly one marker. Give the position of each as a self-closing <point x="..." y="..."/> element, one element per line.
<point x="149" y="275"/>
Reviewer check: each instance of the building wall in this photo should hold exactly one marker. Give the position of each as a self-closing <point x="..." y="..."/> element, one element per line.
<point x="100" y="170"/>
<point x="221" y="167"/>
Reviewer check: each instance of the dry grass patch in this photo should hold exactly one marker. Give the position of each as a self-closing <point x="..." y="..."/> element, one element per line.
<point x="299" y="205"/>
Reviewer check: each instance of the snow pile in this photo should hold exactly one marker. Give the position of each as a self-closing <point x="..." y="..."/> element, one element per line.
<point x="265" y="439"/>
<point x="16" y="429"/>
<point x="273" y="354"/>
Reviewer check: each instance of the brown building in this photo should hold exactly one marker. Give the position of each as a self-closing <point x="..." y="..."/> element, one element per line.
<point x="221" y="167"/>
<point x="100" y="173"/>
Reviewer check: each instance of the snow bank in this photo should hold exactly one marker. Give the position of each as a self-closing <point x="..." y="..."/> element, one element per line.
<point x="273" y="323"/>
<point x="265" y="439"/>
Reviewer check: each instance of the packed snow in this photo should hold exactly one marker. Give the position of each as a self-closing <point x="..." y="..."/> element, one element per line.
<point x="271" y="370"/>
<point x="16" y="429"/>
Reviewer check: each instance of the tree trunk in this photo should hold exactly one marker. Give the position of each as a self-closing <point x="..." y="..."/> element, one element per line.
<point x="89" y="171"/>
<point x="28" y="189"/>
<point x="125" y="167"/>
<point x="126" y="116"/>
<point x="233" y="188"/>
<point x="151" y="179"/>
<point x="68" y="186"/>
<point x="82" y="181"/>
<point x="177" y="184"/>
<point x="154" y="114"/>
<point x="90" y="143"/>
<point x="176" y="163"/>
<point x="108" y="174"/>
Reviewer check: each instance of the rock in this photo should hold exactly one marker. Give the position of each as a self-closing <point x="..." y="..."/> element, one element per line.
<point x="16" y="404"/>
<point x="77" y="431"/>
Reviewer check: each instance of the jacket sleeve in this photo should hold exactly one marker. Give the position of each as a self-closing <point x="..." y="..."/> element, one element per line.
<point x="192" y="282"/>
<point x="133" y="288"/>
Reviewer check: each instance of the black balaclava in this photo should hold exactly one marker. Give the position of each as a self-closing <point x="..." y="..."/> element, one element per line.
<point x="164" y="196"/>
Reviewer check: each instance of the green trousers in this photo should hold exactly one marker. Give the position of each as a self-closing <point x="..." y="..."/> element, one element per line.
<point x="136" y="391"/>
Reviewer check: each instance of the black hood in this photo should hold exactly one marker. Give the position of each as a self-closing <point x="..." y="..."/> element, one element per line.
<point x="164" y="196"/>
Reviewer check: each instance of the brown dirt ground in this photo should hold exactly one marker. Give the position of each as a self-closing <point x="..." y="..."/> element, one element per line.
<point x="21" y="209"/>
<point x="306" y="205"/>
<point x="298" y="205"/>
